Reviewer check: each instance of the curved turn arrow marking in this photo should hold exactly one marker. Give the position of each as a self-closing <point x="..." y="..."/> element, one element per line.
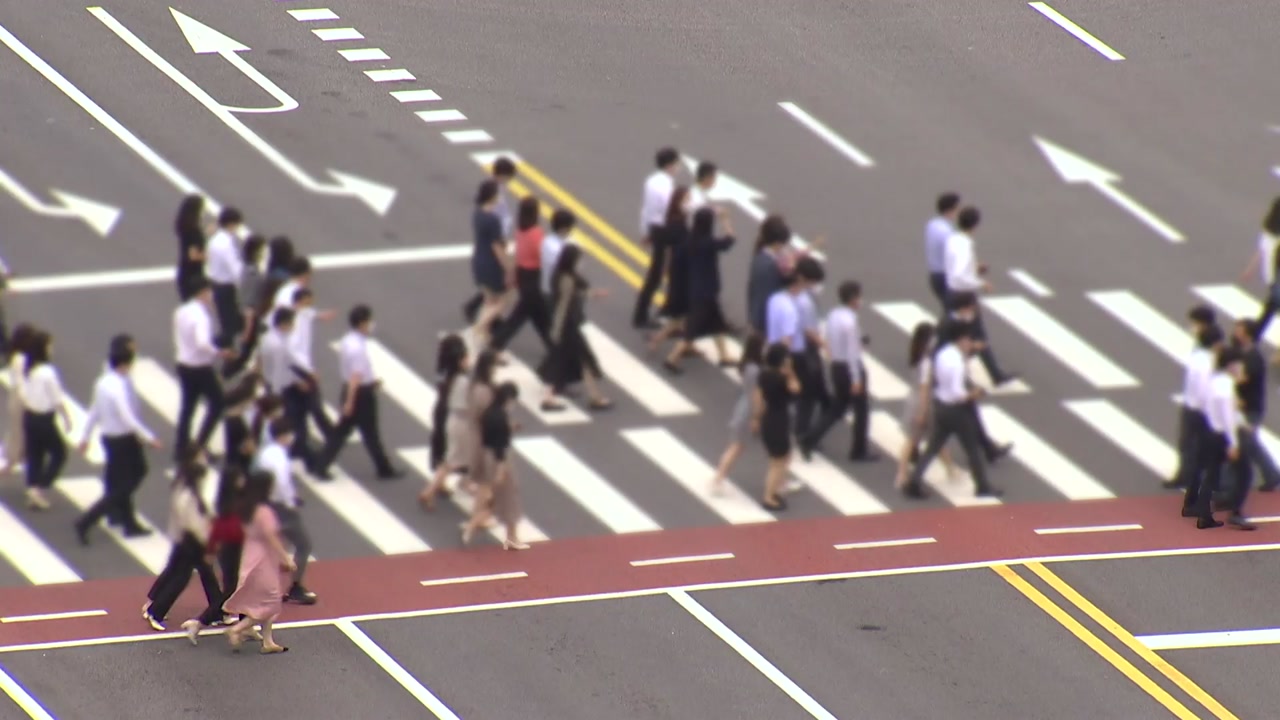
<point x="205" y="40"/>
<point x="100" y="217"/>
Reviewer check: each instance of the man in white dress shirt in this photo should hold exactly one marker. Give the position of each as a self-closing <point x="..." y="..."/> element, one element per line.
<point x="283" y="375"/>
<point x="936" y="232"/>
<point x="224" y="267"/>
<point x="196" y="353"/>
<point x="952" y="396"/>
<point x="848" y="376"/>
<point x="1196" y="370"/>
<point x="1219" y="446"/>
<point x="658" y="188"/>
<point x="1200" y="367"/>
<point x="965" y="274"/>
<point x="704" y="179"/>
<point x="301" y="341"/>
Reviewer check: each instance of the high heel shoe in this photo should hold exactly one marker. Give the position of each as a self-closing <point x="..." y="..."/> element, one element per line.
<point x="235" y="639"/>
<point x="514" y="545"/>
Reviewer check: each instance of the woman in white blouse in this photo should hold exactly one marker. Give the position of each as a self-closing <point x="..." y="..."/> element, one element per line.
<point x="15" y="445"/>
<point x="916" y="413"/>
<point x="41" y="403"/>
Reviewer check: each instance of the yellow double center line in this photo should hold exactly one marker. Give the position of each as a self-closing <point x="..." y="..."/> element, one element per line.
<point x="1104" y="650"/>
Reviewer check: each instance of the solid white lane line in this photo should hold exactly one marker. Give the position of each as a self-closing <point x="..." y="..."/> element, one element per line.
<point x="592" y="492"/>
<point x="1080" y="33"/>
<point x="842" y="146"/>
<point x="907" y="315"/>
<point x="465" y="579"/>
<point x="1061" y="342"/>
<point x="335" y="34"/>
<point x="885" y="543"/>
<point x="467" y="137"/>
<point x="1041" y="458"/>
<point x="397" y="672"/>
<point x="30" y="555"/>
<point x="1083" y="529"/>
<point x="682" y="559"/>
<point x="1029" y="281"/>
<point x="416" y="459"/>
<point x="151" y="551"/>
<point x="435" y="116"/>
<point x="392" y="75"/>
<point x="652" y="392"/>
<point x="683" y="465"/>
<point x="313" y="14"/>
<point x="363" y="54"/>
<point x="751" y="655"/>
<point x="1128" y="434"/>
<point x="23" y="699"/>
<point x="411" y="96"/>
<point x="52" y="616"/>
<point x="1203" y="640"/>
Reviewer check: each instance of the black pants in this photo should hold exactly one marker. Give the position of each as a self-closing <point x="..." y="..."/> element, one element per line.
<point x="46" y="450"/>
<point x="1254" y="454"/>
<point x="187" y="555"/>
<point x="196" y="383"/>
<point x="843" y="400"/>
<point x="812" y="391"/>
<point x="1241" y="471"/>
<point x="229" y="567"/>
<point x="297" y="405"/>
<point x="1211" y="454"/>
<point x="986" y="354"/>
<point x="652" y="279"/>
<point x="957" y="420"/>
<point x="226" y="302"/>
<point x="1192" y="428"/>
<point x="531" y="305"/>
<point x="365" y="418"/>
<point x="938" y="284"/>
<point x="126" y="466"/>
<point x="1268" y="310"/>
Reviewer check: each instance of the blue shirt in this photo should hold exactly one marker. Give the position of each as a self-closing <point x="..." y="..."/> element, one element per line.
<point x="485" y="268"/>
<point x="935" y="244"/>
<point x="783" y="321"/>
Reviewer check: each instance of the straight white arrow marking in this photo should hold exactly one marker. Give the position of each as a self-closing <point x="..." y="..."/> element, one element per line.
<point x="205" y="40"/>
<point x="1076" y="170"/>
<point x="101" y="218"/>
<point x="378" y="197"/>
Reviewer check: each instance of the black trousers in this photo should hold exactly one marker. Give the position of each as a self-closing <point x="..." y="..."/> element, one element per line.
<point x="949" y="420"/>
<point x="126" y="466"/>
<point x="986" y="354"/>
<point x="1192" y="429"/>
<point x="531" y="305"/>
<point x="842" y="401"/>
<point x="46" y="450"/>
<point x="1211" y="454"/>
<point x="226" y="302"/>
<point x="938" y="284"/>
<point x="364" y="418"/>
<point x="229" y="567"/>
<point x="1264" y="319"/>
<point x="297" y="406"/>
<point x="198" y="383"/>
<point x="187" y="555"/>
<point x="652" y="279"/>
<point x="812" y="391"/>
<point x="1241" y="470"/>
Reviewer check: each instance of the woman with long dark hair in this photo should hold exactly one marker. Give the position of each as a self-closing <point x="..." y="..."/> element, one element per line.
<point x="450" y="418"/>
<point x="42" y="402"/>
<point x="190" y="227"/>
<point x="775" y="389"/>
<point x="226" y="540"/>
<point x="706" y="318"/>
<point x="480" y="390"/>
<point x="743" y="410"/>
<point x="675" y="237"/>
<point x="530" y="303"/>
<point x="265" y="568"/>
<point x="501" y="498"/>
<point x="917" y="412"/>
<point x="15" y="443"/>
<point x="570" y="360"/>
<point x="189" y="525"/>
<point x="489" y="262"/>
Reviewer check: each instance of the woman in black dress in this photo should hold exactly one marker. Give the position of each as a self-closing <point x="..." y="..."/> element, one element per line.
<point x="705" y="317"/>
<point x="570" y="359"/>
<point x="489" y="265"/>
<point x="675" y="238"/>
<point x="189" y="227"/>
<point x="774" y="392"/>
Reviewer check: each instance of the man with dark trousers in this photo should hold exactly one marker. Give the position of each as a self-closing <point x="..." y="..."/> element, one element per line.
<point x="196" y="352"/>
<point x="963" y="314"/>
<point x="1253" y="404"/>
<point x="1219" y="445"/>
<point x="848" y="377"/>
<point x="359" y="399"/>
<point x="936" y="232"/>
<point x="784" y="323"/>
<point x="658" y="188"/>
<point x="965" y="274"/>
<point x="1195" y="386"/>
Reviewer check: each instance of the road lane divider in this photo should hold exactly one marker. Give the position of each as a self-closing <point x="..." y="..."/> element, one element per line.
<point x="467" y="579"/>
<point x="827" y="135"/>
<point x="872" y="544"/>
<point x="44" y="617"/>
<point x="1206" y="640"/>
<point x="682" y="559"/>
<point x="1078" y="32"/>
<point x="1085" y="529"/>
<point x="23" y="699"/>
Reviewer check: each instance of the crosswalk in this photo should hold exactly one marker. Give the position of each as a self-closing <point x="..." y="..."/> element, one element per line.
<point x="648" y="465"/>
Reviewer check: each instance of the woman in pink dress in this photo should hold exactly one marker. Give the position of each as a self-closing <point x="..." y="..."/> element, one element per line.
<point x="265" y="567"/>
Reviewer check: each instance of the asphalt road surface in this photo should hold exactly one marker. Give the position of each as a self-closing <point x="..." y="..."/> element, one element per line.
<point x="1122" y="157"/>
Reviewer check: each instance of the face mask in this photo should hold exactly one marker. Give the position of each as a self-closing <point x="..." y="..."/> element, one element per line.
<point x="372" y="326"/>
<point x="817" y="289"/>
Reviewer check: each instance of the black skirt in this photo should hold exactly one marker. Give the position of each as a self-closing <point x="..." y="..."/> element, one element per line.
<point x="705" y="319"/>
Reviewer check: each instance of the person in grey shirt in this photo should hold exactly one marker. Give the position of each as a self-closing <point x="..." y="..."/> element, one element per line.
<point x="765" y="277"/>
<point x="936" y="232"/>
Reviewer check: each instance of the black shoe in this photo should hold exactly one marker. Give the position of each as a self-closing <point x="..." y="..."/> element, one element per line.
<point x="1269" y="486"/>
<point x="1006" y="378"/>
<point x="999" y="453"/>
<point x="869" y="456"/>
<point x="989" y="492"/>
<point x="1208" y="523"/>
<point x="806" y="451"/>
<point x="321" y="473"/>
<point x="135" y="530"/>
<point x="300" y="596"/>
<point x="391" y="474"/>
<point x="1173" y="484"/>
<point x="82" y="533"/>
<point x="915" y="492"/>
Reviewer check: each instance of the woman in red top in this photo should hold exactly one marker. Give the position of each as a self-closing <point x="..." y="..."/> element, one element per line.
<point x="226" y="540"/>
<point x="530" y="303"/>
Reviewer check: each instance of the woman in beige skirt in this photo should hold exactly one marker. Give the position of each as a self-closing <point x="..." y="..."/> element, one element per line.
<point x="15" y="441"/>
<point x="451" y="417"/>
<point x="501" y="497"/>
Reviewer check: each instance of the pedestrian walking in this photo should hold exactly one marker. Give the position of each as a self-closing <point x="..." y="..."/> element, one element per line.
<point x="704" y="180"/>
<point x="504" y="171"/>
<point x="785" y="326"/>
<point x="765" y="276"/>
<point x="965" y="274"/>
<point x="1195" y="382"/>
<point x="562" y="224"/>
<point x="450" y="421"/>
<point x="265" y="566"/>
<point x="741" y="419"/>
<point x="196" y="353"/>
<point x="1266" y="260"/>
<point x="480" y="394"/>
<point x="654" y="214"/>
<point x="936" y="231"/>
<point x="225" y="545"/>
<point x="302" y="342"/>
<point x="274" y="458"/>
<point x="284" y="376"/>
<point x="530" y="305"/>
<point x="964" y="315"/>
<point x="500" y="497"/>
<point x="674" y="240"/>
<point x="917" y="415"/>
<point x="189" y="226"/>
<point x="571" y="359"/>
<point x="775" y="389"/>
<point x="1219" y="446"/>
<point x="1252" y="392"/>
<point x="706" y="316"/>
<point x="489" y="261"/>
<point x="237" y="426"/>
<point x="224" y="268"/>
<point x="15" y="443"/>
<point x="42" y="401"/>
<point x="189" y="524"/>
<point x="848" y="377"/>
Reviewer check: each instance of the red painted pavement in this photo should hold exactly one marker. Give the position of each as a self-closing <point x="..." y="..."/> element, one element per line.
<point x="601" y="564"/>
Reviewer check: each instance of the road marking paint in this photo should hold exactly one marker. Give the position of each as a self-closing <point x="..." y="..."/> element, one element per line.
<point x="1041" y="458"/>
<point x="358" y="507"/>
<point x="1131" y="436"/>
<point x="1237" y="303"/>
<point x="412" y="96"/>
<point x="681" y="559"/>
<point x="30" y="555"/>
<point x="52" y="616"/>
<point x="467" y="137"/>
<point x="1065" y="345"/>
<point x="885" y="543"/>
<point x="151" y="551"/>
<point x="23" y="699"/>
<point x="683" y="465"/>
<point x="652" y="392"/>
<point x="363" y="54"/>
<point x="396" y="671"/>
<point x="1265" y="519"/>
<point x="1080" y="33"/>
<point x="592" y="492"/>
<point x="1081" y="529"/>
<point x="885" y="385"/>
<point x="842" y="146"/>
<point x="1126" y="638"/>
<point x="416" y="459"/>
<point x="465" y="579"/>
<point x="313" y="14"/>
<point x="1094" y="643"/>
<point x="531" y="388"/>
<point x="907" y="315"/>
<point x="79" y="420"/>
<point x="751" y="655"/>
<point x="957" y="490"/>
<point x="435" y="116"/>
<point x="162" y="392"/>
<point x="392" y="75"/>
<point x="1203" y="640"/>
<point x="1139" y="316"/>
<point x="336" y="34"/>
<point x="1029" y="281"/>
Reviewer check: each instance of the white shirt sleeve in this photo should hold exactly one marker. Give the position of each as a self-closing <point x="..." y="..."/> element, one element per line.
<point x="962" y="271"/>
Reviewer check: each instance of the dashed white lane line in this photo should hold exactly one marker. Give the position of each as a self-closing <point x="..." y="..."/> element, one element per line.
<point x="435" y="116"/>
<point x="313" y="14"/>
<point x="1029" y="281"/>
<point x="1202" y="640"/>
<point x="1080" y="33"/>
<point x="364" y="54"/>
<point x="412" y="96"/>
<point x="682" y="559"/>
<point x="886" y="543"/>
<point x="1265" y="519"/>
<point x="474" y="579"/>
<point x="467" y="137"/>
<point x="842" y="146"/>
<point x="392" y="75"/>
<point x="335" y="34"/>
<point x="1087" y="529"/>
<point x="52" y="616"/>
